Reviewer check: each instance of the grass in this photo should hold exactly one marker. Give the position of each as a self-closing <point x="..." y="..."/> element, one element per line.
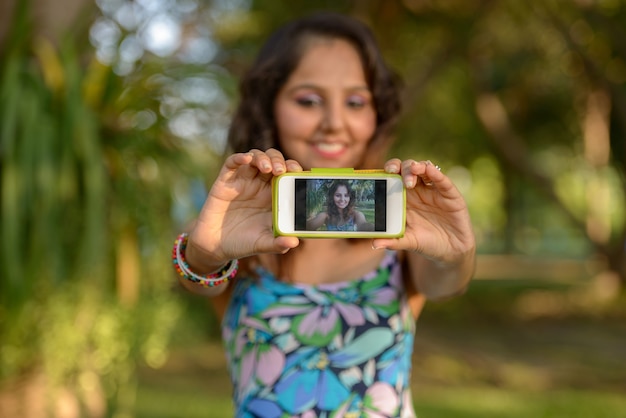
<point x="193" y="383"/>
<point x="461" y="402"/>
<point x="487" y="402"/>
<point x="486" y="354"/>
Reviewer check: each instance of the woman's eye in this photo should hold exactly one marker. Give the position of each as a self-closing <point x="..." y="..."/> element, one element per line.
<point x="309" y="101"/>
<point x="356" y="101"/>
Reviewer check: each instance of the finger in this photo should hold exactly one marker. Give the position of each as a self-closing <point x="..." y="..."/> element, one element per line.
<point x="385" y="243"/>
<point x="426" y="172"/>
<point x="261" y="161"/>
<point x="235" y="161"/>
<point x="277" y="160"/>
<point x="432" y="174"/>
<point x="284" y="244"/>
<point x="239" y="165"/>
<point x="431" y="169"/>
<point x="293" y="166"/>
<point x="406" y="243"/>
<point x="393" y="166"/>
<point x="267" y="243"/>
<point x="410" y="170"/>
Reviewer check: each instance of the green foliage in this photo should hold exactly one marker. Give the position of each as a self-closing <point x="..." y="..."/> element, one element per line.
<point x="99" y="162"/>
<point x="85" y="288"/>
<point x="504" y="82"/>
<point x="537" y="66"/>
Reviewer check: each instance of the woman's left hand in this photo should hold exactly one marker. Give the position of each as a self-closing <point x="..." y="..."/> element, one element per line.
<point x="438" y="224"/>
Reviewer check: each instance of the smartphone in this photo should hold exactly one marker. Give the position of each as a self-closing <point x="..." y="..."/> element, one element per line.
<point x="339" y="203"/>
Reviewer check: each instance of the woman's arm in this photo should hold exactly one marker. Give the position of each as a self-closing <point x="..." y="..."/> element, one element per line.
<point x="440" y="280"/>
<point x="439" y="241"/>
<point x="236" y="219"/>
<point x="314" y="223"/>
<point x="361" y="223"/>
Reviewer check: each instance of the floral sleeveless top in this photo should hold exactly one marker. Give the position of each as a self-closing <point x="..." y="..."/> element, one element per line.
<point x="332" y="350"/>
<point x="348" y="226"/>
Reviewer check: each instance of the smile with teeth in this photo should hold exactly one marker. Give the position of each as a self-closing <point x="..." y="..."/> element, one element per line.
<point x="330" y="147"/>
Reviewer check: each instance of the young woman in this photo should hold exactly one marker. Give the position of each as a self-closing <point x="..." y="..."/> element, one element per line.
<point x="340" y="214"/>
<point x="321" y="327"/>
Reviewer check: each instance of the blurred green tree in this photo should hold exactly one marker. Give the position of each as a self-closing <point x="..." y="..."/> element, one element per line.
<point x="88" y="183"/>
<point x="101" y="149"/>
<point x="526" y="101"/>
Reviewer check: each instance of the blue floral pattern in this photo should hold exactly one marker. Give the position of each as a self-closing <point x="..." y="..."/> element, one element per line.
<point x="332" y="350"/>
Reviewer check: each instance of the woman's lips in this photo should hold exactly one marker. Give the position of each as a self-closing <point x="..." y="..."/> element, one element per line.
<point x="329" y="149"/>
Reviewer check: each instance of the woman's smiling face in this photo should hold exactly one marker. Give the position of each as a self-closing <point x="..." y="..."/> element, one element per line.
<point x="341" y="197"/>
<point x="325" y="115"/>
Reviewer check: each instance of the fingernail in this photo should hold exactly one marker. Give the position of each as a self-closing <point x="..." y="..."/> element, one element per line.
<point x="265" y="165"/>
<point x="409" y="183"/>
<point x="278" y="168"/>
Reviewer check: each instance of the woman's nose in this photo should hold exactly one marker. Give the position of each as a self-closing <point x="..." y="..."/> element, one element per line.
<point x="333" y="117"/>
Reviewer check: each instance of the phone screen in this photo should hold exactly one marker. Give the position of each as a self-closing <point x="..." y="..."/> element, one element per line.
<point x="342" y="203"/>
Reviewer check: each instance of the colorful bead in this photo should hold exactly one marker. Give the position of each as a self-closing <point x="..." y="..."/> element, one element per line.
<point x="223" y="275"/>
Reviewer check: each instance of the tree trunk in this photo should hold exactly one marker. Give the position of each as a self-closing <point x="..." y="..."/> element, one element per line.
<point x="511" y="149"/>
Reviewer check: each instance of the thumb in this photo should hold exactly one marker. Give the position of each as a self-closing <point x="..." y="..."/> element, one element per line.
<point x="284" y="244"/>
<point x="277" y="245"/>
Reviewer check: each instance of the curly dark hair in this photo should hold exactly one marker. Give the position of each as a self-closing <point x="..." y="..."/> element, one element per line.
<point x="253" y="124"/>
<point x="336" y="217"/>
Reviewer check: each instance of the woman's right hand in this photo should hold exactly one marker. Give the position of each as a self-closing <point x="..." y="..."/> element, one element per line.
<point x="236" y="219"/>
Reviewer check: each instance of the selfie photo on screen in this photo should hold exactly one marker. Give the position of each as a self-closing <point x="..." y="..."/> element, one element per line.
<point x="341" y="205"/>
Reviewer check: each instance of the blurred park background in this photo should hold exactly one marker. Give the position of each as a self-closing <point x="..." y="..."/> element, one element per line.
<point x="113" y="117"/>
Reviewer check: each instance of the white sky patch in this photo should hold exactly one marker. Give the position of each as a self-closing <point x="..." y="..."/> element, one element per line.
<point x="162" y="35"/>
<point x="199" y="50"/>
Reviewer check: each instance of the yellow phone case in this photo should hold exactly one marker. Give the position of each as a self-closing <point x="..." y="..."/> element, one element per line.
<point x="346" y="173"/>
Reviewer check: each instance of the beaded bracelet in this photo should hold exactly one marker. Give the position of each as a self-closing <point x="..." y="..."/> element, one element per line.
<point x="223" y="275"/>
